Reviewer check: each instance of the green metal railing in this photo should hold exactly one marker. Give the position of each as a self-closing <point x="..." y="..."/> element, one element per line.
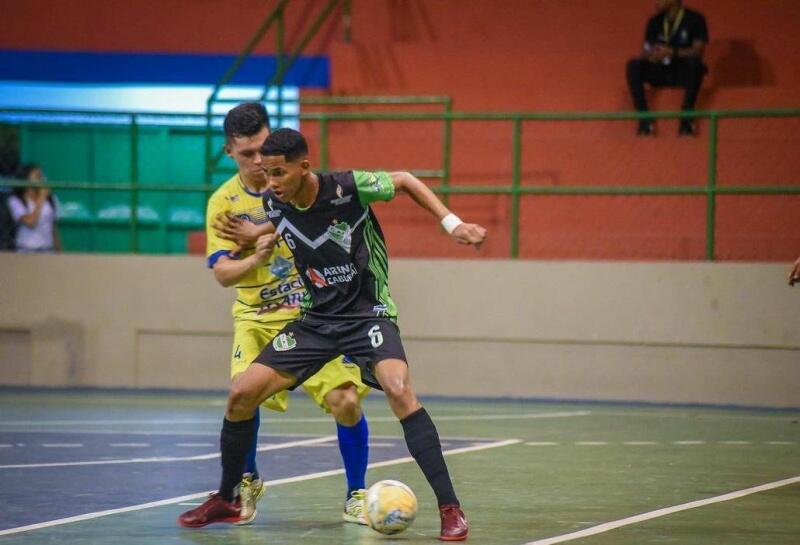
<point x="284" y="63"/>
<point x="514" y="189"/>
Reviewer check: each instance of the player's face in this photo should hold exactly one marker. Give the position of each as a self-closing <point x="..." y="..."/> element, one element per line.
<point x="285" y="178"/>
<point x="246" y="152"/>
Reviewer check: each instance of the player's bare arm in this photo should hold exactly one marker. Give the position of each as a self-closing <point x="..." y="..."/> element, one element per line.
<point x="464" y="233"/>
<point x="229" y="271"/>
<point x="241" y="231"/>
<point x="794" y="274"/>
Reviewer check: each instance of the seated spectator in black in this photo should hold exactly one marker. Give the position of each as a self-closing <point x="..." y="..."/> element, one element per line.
<point x="8" y="227"/>
<point x="34" y="210"/>
<point x="674" y="43"/>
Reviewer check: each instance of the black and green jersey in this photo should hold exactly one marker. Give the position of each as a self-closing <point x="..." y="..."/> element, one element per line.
<point x="338" y="245"/>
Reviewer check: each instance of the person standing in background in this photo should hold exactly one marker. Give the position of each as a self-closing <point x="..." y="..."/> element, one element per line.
<point x="34" y="210"/>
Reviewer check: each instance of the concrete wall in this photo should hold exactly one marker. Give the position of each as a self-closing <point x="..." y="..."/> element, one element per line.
<point x="670" y="332"/>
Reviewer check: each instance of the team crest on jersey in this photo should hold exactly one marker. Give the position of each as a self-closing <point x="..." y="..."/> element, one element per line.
<point x="284" y="342"/>
<point x="341" y="198"/>
<point x="316" y="277"/>
<point x="280" y="266"/>
<point x="341" y="234"/>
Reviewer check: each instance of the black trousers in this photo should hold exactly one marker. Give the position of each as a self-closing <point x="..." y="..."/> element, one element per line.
<point x="686" y="72"/>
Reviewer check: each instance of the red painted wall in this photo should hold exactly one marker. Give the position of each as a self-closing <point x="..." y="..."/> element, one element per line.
<point x="542" y="55"/>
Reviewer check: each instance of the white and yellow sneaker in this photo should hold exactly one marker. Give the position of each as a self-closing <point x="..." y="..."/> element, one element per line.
<point x="250" y="491"/>
<point x="354" y="507"/>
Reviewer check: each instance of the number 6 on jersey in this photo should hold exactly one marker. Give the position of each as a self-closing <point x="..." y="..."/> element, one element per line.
<point x="375" y="336"/>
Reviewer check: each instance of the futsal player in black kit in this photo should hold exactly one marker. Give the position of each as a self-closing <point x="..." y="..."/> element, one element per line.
<point x="340" y="252"/>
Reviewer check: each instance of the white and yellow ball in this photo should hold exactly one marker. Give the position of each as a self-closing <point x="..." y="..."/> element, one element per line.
<point x="391" y="507"/>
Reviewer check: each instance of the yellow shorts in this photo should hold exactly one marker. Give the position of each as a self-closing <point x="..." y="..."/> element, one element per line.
<point x="250" y="337"/>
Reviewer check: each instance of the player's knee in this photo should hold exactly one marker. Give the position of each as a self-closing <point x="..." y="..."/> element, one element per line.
<point x="399" y="391"/>
<point x="345" y="405"/>
<point x="241" y="402"/>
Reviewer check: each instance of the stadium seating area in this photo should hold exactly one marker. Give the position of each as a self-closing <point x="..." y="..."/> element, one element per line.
<point x="547" y="66"/>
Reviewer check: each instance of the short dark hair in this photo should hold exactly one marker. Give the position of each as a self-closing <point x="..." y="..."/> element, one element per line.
<point x="246" y="119"/>
<point x="287" y="142"/>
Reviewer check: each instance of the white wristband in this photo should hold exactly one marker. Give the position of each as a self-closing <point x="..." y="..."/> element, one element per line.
<point x="450" y="222"/>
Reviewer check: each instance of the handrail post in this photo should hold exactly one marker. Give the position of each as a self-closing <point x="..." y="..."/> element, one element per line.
<point x="347" y="21"/>
<point x="323" y="143"/>
<point x="304" y="41"/>
<point x="213" y="158"/>
<point x="711" y="188"/>
<point x="446" y="147"/>
<point x="134" y="226"/>
<point x="279" y="49"/>
<point x="516" y="179"/>
<point x="208" y="158"/>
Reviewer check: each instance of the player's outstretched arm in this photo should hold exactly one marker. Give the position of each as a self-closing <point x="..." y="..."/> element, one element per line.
<point x="229" y="271"/>
<point x="464" y="233"/>
<point x="241" y="231"/>
<point x="794" y="274"/>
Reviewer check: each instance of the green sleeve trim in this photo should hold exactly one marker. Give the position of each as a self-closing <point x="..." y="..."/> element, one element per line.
<point x="373" y="186"/>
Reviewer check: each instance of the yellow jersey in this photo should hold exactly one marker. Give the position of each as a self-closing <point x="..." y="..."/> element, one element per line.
<point x="270" y="293"/>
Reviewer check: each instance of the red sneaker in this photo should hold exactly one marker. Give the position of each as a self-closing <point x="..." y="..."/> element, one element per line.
<point x="215" y="509"/>
<point x="454" y="523"/>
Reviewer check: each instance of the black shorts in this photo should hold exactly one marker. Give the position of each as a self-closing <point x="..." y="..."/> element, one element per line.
<point x="304" y="346"/>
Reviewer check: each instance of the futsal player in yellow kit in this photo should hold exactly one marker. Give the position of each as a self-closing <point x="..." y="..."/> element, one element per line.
<point x="268" y="296"/>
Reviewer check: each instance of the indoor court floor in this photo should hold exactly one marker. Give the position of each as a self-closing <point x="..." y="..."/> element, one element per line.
<point x="80" y="467"/>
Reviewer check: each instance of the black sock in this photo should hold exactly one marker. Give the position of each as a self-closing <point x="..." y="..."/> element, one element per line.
<point x="235" y="441"/>
<point x="423" y="444"/>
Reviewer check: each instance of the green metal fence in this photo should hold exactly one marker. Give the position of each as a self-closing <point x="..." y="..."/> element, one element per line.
<point x="514" y="189"/>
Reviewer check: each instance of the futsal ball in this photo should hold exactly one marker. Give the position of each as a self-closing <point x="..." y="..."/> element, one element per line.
<point x="391" y="507"/>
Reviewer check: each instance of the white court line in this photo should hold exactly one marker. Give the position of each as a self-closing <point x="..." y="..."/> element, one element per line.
<point x="215" y="434"/>
<point x="736" y="442"/>
<point x="640" y="443"/>
<point x="62" y="445"/>
<point x="5" y="445"/>
<point x="688" y="442"/>
<point x="299" y="478"/>
<point x="605" y="527"/>
<point x="159" y="459"/>
<point x="590" y="443"/>
<point x="542" y="443"/>
<point x="780" y="442"/>
<point x="129" y="445"/>
<point x="515" y="416"/>
<point x="194" y="444"/>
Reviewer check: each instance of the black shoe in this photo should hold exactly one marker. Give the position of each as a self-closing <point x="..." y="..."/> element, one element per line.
<point x="687" y="128"/>
<point x="645" y="128"/>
